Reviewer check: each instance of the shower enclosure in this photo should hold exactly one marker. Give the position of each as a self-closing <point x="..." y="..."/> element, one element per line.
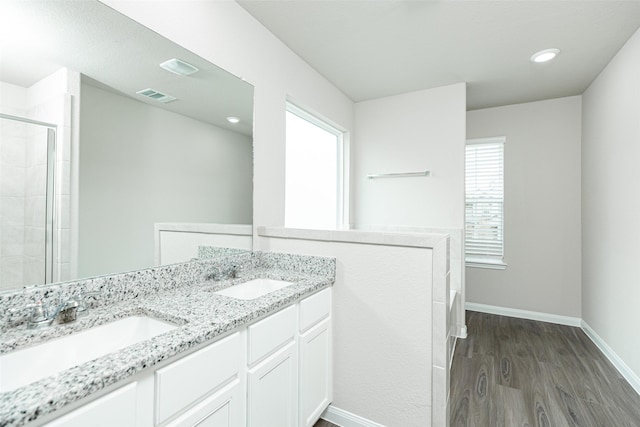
<point x="27" y="162"/>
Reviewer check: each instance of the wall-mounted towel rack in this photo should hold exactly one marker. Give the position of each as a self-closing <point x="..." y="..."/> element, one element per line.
<point x="399" y="174"/>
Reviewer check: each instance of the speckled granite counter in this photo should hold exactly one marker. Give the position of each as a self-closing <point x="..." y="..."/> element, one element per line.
<point x="189" y="302"/>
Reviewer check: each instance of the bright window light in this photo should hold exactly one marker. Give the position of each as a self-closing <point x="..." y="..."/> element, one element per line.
<point x="313" y="189"/>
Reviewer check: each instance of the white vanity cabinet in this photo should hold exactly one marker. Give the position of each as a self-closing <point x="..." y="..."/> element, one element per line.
<point x="315" y="357"/>
<point x="272" y="376"/>
<point x="275" y="372"/>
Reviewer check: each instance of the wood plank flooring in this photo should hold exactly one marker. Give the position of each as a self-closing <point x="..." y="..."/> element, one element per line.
<point x="514" y="373"/>
<point x="323" y="423"/>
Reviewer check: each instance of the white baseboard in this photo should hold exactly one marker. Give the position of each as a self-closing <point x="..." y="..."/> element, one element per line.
<point x="343" y="418"/>
<point x="622" y="367"/>
<point x="524" y="314"/>
<point x="453" y="350"/>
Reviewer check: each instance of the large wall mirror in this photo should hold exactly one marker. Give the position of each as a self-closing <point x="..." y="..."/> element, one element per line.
<point x="99" y="144"/>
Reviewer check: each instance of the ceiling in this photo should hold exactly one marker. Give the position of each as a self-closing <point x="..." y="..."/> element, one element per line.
<point x="38" y="37"/>
<point x="372" y="49"/>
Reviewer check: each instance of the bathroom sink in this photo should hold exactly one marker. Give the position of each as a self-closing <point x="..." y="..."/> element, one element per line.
<point x="254" y="288"/>
<point x="31" y="364"/>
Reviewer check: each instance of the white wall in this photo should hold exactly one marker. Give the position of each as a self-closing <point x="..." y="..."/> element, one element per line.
<point x="542" y="207"/>
<point x="611" y="204"/>
<point x="180" y="242"/>
<point x="382" y="340"/>
<point x="422" y="130"/>
<point x="140" y="165"/>
<point x="14" y="99"/>
<point x="225" y="34"/>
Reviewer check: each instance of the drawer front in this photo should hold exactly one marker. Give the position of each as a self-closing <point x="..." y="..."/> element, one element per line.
<point x="117" y="408"/>
<point x="187" y="380"/>
<point x="271" y="333"/>
<point x="314" y="309"/>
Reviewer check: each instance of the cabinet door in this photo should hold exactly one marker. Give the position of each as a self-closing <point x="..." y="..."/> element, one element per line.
<point x="222" y="409"/>
<point x="273" y="390"/>
<point x="117" y="408"/>
<point x="315" y="373"/>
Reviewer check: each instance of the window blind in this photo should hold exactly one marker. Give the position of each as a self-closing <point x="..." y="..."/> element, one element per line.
<point x="484" y="199"/>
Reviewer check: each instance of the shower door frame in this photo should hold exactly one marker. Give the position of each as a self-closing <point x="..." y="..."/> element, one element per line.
<point x="50" y="217"/>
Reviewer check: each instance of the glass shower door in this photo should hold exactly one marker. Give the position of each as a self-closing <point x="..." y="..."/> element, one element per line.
<point x="26" y="202"/>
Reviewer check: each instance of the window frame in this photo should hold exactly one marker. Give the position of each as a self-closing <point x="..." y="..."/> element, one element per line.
<point x="478" y="261"/>
<point x="342" y="193"/>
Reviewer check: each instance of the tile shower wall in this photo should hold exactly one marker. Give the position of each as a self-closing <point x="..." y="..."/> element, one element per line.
<point x="22" y="212"/>
<point x="13" y="136"/>
<point x="23" y="156"/>
<point x="35" y="204"/>
<point x="50" y="101"/>
<point x="56" y="111"/>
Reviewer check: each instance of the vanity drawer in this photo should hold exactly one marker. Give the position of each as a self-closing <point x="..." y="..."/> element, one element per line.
<point x="271" y="333"/>
<point x="314" y="309"/>
<point x="187" y="380"/>
<point x="117" y="408"/>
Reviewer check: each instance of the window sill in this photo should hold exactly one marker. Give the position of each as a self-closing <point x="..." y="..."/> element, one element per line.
<point x="491" y="264"/>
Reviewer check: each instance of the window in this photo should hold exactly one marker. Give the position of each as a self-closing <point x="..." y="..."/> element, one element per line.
<point x="314" y="172"/>
<point x="484" y="202"/>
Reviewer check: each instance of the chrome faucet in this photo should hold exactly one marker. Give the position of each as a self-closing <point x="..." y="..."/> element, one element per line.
<point x="65" y="312"/>
<point x="219" y="274"/>
<point x="216" y="274"/>
<point x="233" y="272"/>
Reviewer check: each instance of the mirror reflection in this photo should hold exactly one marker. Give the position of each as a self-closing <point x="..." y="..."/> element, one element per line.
<point x="99" y="144"/>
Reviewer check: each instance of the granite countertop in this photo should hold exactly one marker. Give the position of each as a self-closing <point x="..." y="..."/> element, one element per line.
<point x="201" y="314"/>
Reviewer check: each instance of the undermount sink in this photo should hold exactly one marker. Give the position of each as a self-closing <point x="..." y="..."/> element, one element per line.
<point x="28" y="365"/>
<point x="254" y="288"/>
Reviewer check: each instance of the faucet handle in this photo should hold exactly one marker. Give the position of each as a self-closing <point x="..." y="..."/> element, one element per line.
<point x="81" y="298"/>
<point x="215" y="274"/>
<point x="219" y="273"/>
<point x="234" y="272"/>
<point x="66" y="312"/>
<point x="90" y="294"/>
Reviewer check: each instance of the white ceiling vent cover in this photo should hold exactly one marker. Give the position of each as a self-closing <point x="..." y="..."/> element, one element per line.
<point x="156" y="95"/>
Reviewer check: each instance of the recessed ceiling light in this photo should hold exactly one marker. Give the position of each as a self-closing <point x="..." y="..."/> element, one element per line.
<point x="545" y="55"/>
<point x="179" y="67"/>
<point x="233" y="120"/>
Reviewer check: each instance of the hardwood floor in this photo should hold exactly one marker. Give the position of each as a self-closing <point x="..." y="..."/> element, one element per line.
<point x="323" y="423"/>
<point x="515" y="372"/>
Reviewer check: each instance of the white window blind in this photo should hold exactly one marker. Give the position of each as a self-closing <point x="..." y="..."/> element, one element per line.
<point x="484" y="200"/>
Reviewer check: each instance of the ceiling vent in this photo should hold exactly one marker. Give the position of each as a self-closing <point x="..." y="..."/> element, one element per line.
<point x="156" y="95"/>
